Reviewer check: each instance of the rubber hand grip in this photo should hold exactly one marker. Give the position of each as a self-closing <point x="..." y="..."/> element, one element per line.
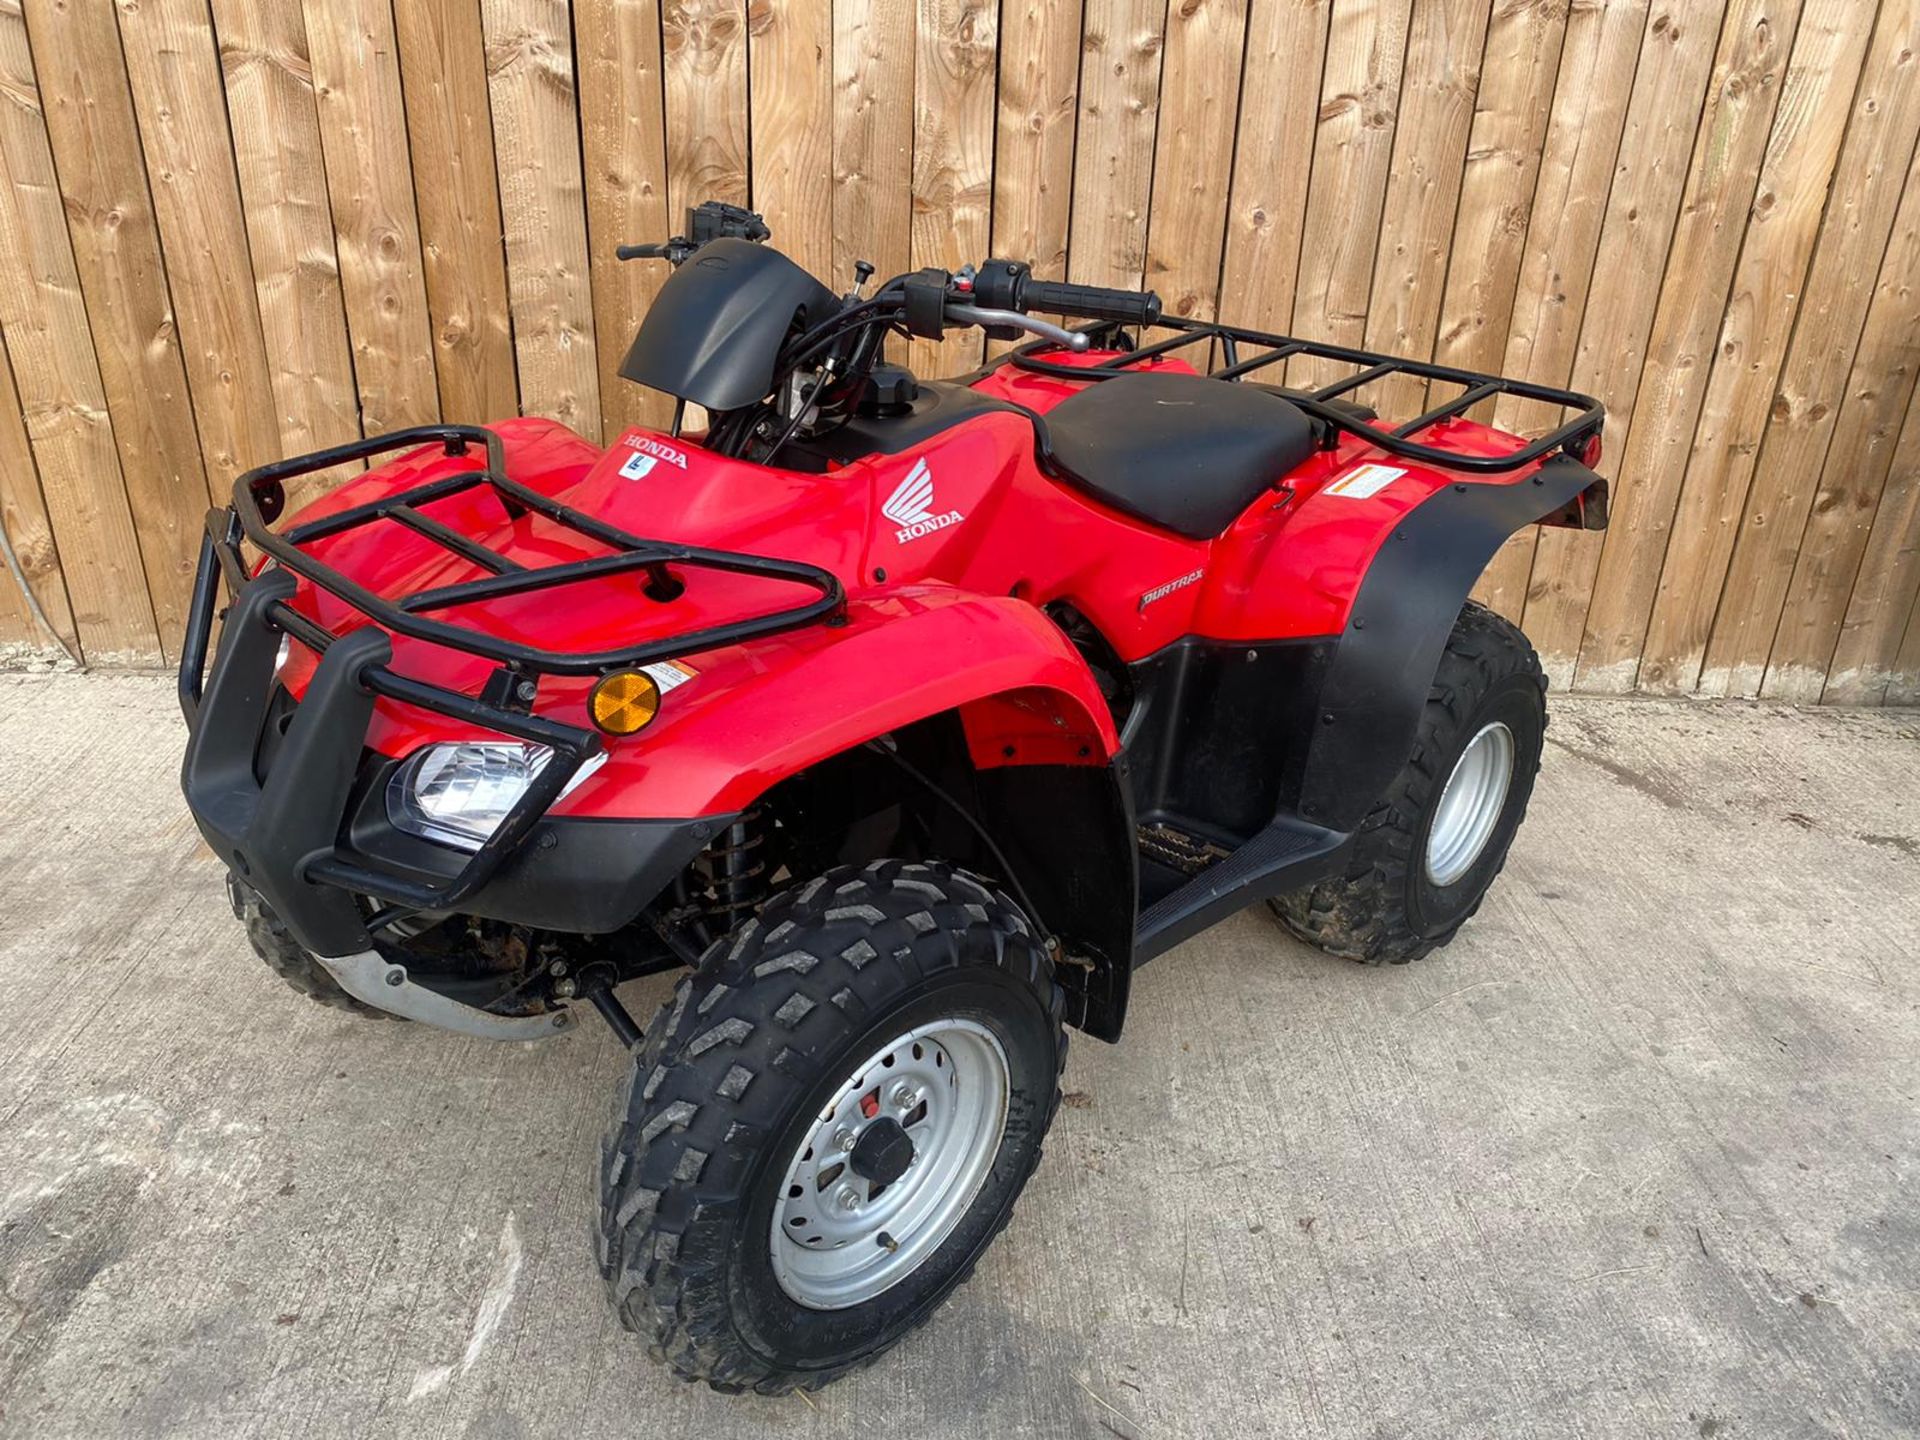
<point x="1092" y="302"/>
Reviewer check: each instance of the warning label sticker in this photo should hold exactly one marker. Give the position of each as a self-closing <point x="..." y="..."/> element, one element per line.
<point x="669" y="673"/>
<point x="1363" y="482"/>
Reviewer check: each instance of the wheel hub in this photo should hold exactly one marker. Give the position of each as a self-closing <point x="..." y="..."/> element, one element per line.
<point x="1470" y="804"/>
<point x="890" y="1165"/>
<point x="883" y="1152"/>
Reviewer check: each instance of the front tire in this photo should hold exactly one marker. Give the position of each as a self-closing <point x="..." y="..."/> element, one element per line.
<point x="1424" y="857"/>
<point x="729" y="1189"/>
<point x="283" y="955"/>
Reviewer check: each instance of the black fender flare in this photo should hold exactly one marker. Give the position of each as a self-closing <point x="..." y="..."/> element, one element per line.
<point x="1067" y="833"/>
<point x="1384" y="661"/>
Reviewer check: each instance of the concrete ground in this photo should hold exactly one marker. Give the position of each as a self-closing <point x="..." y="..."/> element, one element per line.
<point x="1636" y="1156"/>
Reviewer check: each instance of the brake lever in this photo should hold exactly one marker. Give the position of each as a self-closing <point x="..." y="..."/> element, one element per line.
<point x="1045" y="329"/>
<point x="674" y="251"/>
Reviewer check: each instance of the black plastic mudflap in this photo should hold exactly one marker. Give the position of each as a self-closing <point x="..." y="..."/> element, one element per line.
<point x="269" y="832"/>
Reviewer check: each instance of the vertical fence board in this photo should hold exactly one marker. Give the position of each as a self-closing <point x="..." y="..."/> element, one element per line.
<point x="1679" y="52"/>
<point x="1903" y="685"/>
<point x="1811" y="395"/>
<point x="1521" y="60"/>
<point x="623" y="131"/>
<point x="1612" y="290"/>
<point x="1120" y="59"/>
<point x="356" y="78"/>
<point x="1033" y="146"/>
<point x="116" y="248"/>
<point x="173" y="64"/>
<point x="705" y="58"/>
<point x="1721" y="184"/>
<point x="1352" y="156"/>
<point x="23" y="515"/>
<point x="249" y="226"/>
<point x="873" y="60"/>
<point x="43" y="319"/>
<point x="1762" y="313"/>
<point x="543" y="209"/>
<point x="704" y="67"/>
<point x="443" y="76"/>
<point x="1611" y="71"/>
<point x="953" y="125"/>
<point x="1033" y="137"/>
<point x="1273" y="161"/>
<point x="1424" y="181"/>
<point x="1837" y="575"/>
<point x="296" y="272"/>
<point x="790" y="55"/>
<point x="1506" y="145"/>
<point x="1199" y="94"/>
<point x="1868" y="655"/>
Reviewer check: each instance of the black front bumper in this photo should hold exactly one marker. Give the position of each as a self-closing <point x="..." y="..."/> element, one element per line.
<point x="302" y="835"/>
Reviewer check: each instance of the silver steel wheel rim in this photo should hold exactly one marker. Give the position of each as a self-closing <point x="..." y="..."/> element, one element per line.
<point x="835" y="1241"/>
<point x="1470" y="805"/>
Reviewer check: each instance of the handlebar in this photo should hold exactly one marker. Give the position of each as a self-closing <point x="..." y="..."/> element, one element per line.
<point x="710" y="220"/>
<point x="1092" y="302"/>
<point x="1009" y="285"/>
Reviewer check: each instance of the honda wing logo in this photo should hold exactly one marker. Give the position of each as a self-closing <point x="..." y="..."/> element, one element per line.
<point x="911" y="506"/>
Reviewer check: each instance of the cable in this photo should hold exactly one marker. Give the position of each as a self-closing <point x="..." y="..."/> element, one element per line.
<point x="1012" y="877"/>
<point x="33" y="601"/>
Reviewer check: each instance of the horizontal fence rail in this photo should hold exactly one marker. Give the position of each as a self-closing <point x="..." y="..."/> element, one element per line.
<point x="236" y="230"/>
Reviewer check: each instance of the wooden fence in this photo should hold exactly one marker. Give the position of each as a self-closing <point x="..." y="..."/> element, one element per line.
<point x="234" y="229"/>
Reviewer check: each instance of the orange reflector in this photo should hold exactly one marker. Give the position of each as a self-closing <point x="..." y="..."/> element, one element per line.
<point x="625" y="702"/>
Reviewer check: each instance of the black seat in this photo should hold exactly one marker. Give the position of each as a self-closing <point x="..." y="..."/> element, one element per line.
<point x="1179" y="451"/>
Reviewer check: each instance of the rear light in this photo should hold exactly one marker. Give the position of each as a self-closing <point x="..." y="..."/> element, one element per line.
<point x="1589" y="452"/>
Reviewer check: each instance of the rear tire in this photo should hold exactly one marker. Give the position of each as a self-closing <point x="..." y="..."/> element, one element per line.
<point x="1424" y="857"/>
<point x="771" y="1052"/>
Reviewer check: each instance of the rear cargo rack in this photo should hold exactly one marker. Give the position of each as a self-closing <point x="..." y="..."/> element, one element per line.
<point x="1570" y="436"/>
<point x="259" y="496"/>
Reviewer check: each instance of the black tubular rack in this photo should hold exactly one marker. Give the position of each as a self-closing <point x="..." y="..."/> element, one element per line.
<point x="1570" y="436"/>
<point x="281" y="833"/>
<point x="259" y="497"/>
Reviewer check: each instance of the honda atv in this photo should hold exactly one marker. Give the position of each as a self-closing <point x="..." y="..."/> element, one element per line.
<point x="909" y="717"/>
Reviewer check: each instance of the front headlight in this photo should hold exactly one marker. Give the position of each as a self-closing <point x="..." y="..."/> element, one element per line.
<point x="459" y="794"/>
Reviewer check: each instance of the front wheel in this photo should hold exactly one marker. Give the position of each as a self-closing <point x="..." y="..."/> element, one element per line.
<point x="273" y="943"/>
<point x="827" y="1124"/>
<point x="1425" y="855"/>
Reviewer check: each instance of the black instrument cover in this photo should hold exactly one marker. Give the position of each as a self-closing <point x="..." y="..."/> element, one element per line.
<point x="715" y="331"/>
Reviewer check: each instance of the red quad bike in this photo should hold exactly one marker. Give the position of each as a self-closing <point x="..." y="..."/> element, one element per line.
<point x="908" y="716"/>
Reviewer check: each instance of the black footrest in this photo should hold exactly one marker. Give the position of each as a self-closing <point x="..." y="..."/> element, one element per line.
<point x="1177" y="850"/>
<point x="1283" y="856"/>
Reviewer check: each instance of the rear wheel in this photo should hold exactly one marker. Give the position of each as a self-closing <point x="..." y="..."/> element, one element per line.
<point x="827" y="1125"/>
<point x="1425" y="856"/>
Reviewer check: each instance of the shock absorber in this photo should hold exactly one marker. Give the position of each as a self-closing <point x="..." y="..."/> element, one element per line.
<point x="737" y="868"/>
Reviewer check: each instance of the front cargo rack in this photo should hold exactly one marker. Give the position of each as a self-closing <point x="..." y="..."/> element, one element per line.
<point x="1571" y="436"/>
<point x="283" y="832"/>
<point x="259" y="496"/>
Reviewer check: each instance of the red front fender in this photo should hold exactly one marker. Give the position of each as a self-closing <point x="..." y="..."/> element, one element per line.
<point x="754" y="715"/>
